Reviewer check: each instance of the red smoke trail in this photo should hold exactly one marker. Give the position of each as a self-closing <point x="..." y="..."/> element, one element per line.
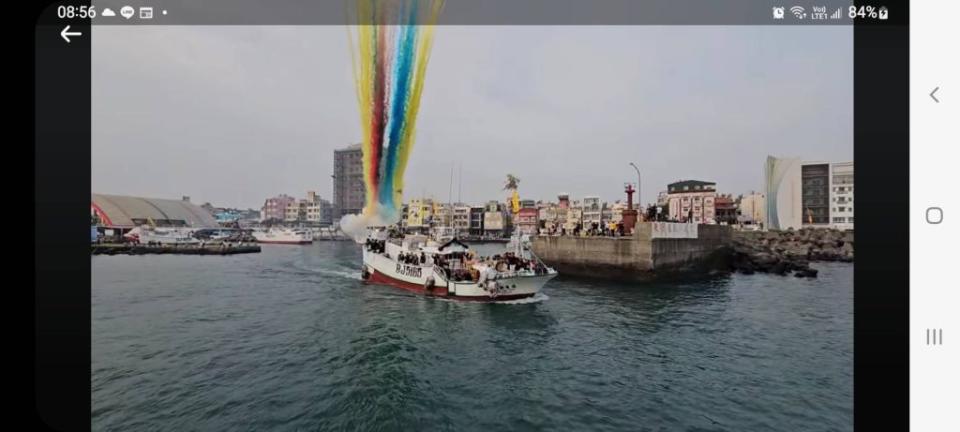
<point x="379" y="114"/>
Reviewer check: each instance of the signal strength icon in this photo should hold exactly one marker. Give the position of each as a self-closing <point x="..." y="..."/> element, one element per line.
<point x="838" y="14"/>
<point x="798" y="12"/>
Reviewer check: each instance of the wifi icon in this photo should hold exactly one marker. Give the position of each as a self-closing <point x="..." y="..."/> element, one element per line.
<point x="798" y="12"/>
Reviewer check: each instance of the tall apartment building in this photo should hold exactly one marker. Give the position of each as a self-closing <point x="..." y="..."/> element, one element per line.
<point x="349" y="195"/>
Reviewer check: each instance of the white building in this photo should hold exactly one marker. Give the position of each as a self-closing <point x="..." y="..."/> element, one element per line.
<point x="574" y="216"/>
<point x="841" y="195"/>
<point x="662" y="198"/>
<point x="808" y="194"/>
<point x="782" y="181"/>
<point x="315" y="210"/>
<point x="442" y="214"/>
<point x="319" y="212"/>
<point x="461" y="219"/>
<point x="495" y="221"/>
<point x="616" y="211"/>
<point x="592" y="211"/>
<point x="692" y="201"/>
<point x="753" y="209"/>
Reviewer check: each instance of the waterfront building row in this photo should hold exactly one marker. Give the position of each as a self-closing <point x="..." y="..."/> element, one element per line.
<point x="284" y="208"/>
<point x="795" y="194"/>
<point x="426" y="214"/>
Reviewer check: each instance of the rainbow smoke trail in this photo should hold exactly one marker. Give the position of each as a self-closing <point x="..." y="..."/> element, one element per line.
<point x="394" y="38"/>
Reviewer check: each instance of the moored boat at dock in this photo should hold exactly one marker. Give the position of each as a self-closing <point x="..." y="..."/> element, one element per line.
<point x="166" y="236"/>
<point x="283" y="236"/>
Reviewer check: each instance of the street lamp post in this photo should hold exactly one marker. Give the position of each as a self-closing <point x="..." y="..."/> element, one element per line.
<point x="639" y="195"/>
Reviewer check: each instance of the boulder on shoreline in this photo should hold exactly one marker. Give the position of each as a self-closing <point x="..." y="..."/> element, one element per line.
<point x="786" y="252"/>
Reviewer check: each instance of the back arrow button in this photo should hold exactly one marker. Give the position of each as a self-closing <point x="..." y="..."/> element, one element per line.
<point x="934" y="97"/>
<point x="66" y="33"/>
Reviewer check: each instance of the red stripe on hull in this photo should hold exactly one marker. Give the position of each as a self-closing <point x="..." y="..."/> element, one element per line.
<point x="382" y="279"/>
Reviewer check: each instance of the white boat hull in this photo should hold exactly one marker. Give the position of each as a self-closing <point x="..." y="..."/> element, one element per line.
<point x="379" y="269"/>
<point x="167" y="237"/>
<point x="283" y="237"/>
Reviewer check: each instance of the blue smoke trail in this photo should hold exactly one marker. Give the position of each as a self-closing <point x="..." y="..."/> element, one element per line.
<point x="405" y="50"/>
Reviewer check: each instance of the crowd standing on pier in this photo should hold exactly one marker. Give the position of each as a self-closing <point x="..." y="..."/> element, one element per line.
<point x="594" y="229"/>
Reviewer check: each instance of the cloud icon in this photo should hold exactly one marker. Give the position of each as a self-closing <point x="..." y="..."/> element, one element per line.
<point x="107" y="12"/>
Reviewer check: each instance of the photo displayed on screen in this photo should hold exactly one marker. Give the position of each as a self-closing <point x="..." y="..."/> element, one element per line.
<point x="472" y="227"/>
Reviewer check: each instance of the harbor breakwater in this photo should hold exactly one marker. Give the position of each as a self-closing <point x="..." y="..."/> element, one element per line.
<point x="660" y="249"/>
<point x="654" y="248"/>
<point x="173" y="249"/>
<point x="789" y="252"/>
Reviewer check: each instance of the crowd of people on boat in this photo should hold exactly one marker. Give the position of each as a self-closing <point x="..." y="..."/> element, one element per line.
<point x="466" y="266"/>
<point x="412" y="258"/>
<point x="463" y="266"/>
<point x="509" y="261"/>
<point x="376" y="246"/>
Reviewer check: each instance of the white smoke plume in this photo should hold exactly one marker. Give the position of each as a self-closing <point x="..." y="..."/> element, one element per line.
<point x="356" y="225"/>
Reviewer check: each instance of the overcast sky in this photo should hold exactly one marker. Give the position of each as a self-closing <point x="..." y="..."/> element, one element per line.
<point x="233" y="115"/>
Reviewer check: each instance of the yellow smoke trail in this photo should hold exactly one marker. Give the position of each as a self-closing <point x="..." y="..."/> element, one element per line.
<point x="363" y="78"/>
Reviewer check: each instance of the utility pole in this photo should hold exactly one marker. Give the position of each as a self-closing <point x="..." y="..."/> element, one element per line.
<point x="639" y="195"/>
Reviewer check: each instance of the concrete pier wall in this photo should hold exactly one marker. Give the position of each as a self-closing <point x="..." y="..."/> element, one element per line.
<point x="680" y="252"/>
<point x="641" y="255"/>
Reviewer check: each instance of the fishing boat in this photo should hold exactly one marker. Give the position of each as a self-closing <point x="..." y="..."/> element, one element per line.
<point x="283" y="236"/>
<point x="451" y="269"/>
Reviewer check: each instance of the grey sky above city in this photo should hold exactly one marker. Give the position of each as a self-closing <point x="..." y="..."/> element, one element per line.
<point x="233" y="115"/>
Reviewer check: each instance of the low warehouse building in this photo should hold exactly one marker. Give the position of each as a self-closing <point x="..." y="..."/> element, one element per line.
<point x="126" y="212"/>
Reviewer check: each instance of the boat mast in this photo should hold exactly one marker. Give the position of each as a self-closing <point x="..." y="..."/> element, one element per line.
<point x="446" y="220"/>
